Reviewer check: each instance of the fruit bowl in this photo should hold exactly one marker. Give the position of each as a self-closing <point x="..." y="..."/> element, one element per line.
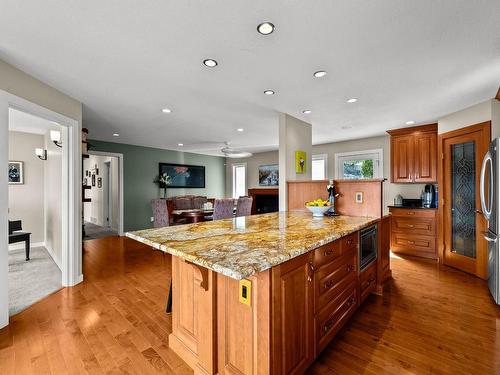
<point x="318" y="211"/>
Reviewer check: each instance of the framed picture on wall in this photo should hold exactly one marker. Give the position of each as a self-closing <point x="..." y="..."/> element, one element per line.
<point x="269" y="175"/>
<point x="16" y="174"/>
<point x="183" y="176"/>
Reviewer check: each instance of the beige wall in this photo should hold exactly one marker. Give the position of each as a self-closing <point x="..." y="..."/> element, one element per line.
<point x="495" y="118"/>
<point x="16" y="82"/>
<point x="383" y="142"/>
<point x="27" y="87"/>
<point x="469" y="116"/>
<point x="253" y="163"/>
<point x="26" y="201"/>
<point x="53" y="200"/>
<point x="94" y="211"/>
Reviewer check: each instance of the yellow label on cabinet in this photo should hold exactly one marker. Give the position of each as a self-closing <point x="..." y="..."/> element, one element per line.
<point x="245" y="291"/>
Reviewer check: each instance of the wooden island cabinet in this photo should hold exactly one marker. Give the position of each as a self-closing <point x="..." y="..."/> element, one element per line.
<point x="414" y="154"/>
<point x="258" y="313"/>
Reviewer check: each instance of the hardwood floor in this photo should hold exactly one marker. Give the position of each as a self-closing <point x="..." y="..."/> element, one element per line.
<point x="431" y="320"/>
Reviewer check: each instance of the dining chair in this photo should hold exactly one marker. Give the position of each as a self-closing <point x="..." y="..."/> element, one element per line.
<point x="160" y="213"/>
<point x="244" y="206"/>
<point x="198" y="202"/>
<point x="223" y="209"/>
<point x="182" y="203"/>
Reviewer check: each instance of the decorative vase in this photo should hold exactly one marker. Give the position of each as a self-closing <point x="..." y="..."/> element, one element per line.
<point x="165" y="193"/>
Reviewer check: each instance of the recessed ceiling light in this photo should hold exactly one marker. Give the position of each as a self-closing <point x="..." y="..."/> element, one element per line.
<point x="210" y="63"/>
<point x="306" y="111"/>
<point x="240" y="129"/>
<point x="166" y="110"/>
<point x="346" y="127"/>
<point x="409" y="122"/>
<point x="269" y="92"/>
<point x="265" y="28"/>
<point x="352" y="100"/>
<point x="180" y="144"/>
<point x="116" y="135"/>
<point x="320" y="74"/>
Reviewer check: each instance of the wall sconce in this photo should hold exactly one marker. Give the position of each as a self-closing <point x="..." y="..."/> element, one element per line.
<point x="55" y="137"/>
<point x="41" y="153"/>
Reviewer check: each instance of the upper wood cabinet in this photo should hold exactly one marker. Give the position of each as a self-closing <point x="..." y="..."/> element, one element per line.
<point x="414" y="154"/>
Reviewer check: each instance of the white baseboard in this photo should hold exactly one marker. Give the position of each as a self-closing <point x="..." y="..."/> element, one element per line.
<point x="20" y="245"/>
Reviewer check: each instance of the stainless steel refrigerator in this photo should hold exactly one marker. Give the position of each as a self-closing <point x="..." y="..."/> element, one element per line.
<point x="490" y="198"/>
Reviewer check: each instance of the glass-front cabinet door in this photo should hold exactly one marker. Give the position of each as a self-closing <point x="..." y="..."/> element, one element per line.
<point x="463" y="222"/>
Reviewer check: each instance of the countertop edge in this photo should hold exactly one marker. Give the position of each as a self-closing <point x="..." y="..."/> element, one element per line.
<point x="238" y="275"/>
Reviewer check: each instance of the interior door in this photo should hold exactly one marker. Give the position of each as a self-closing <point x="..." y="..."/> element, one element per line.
<point x="463" y="222"/>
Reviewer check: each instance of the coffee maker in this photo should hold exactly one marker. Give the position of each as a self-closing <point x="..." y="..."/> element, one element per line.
<point x="428" y="200"/>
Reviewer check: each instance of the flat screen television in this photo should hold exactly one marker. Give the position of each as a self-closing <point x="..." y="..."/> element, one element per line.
<point x="184" y="176"/>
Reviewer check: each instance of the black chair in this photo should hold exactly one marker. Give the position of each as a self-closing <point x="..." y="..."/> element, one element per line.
<point x="16" y="236"/>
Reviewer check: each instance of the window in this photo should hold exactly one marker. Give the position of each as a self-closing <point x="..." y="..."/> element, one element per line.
<point x="239" y="180"/>
<point x="359" y="164"/>
<point x="319" y="167"/>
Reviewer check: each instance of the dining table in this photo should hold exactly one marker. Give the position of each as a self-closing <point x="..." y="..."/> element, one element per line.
<point x="194" y="215"/>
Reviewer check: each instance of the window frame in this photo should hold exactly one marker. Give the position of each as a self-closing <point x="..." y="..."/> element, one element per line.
<point x="233" y="178"/>
<point x="378" y="170"/>
<point x="323" y="157"/>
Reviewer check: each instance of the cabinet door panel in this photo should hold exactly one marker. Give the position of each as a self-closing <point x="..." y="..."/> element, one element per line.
<point x="402" y="148"/>
<point x="293" y="331"/>
<point x="425" y="157"/>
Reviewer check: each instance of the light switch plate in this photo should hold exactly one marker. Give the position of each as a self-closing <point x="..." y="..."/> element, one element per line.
<point x="152" y="218"/>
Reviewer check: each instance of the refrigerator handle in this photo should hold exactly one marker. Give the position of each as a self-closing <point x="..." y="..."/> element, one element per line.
<point x="486" y="210"/>
<point x="488" y="238"/>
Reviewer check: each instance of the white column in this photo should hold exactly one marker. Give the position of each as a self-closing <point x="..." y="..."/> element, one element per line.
<point x="4" y="256"/>
<point x="294" y="135"/>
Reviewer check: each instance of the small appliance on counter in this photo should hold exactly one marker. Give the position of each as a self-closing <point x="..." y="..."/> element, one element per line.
<point x="428" y="196"/>
<point x="398" y="200"/>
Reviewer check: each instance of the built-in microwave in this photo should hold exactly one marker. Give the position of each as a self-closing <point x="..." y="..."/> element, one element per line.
<point x="367" y="246"/>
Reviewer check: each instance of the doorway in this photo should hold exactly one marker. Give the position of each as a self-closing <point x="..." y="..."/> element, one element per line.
<point x="71" y="256"/>
<point x="461" y="219"/>
<point x="103" y="209"/>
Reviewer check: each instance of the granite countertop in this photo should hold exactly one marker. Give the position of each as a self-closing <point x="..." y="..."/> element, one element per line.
<point x="244" y="246"/>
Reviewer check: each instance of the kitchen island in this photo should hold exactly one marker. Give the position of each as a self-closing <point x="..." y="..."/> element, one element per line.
<point x="264" y="294"/>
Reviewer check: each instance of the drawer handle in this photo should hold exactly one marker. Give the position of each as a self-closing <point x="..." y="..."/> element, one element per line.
<point x="371" y="280"/>
<point x="328" y="252"/>
<point x="349" y="241"/>
<point x="351" y="301"/>
<point x="329" y="284"/>
<point x="328" y="325"/>
<point x="411" y="242"/>
<point x="349" y="268"/>
<point x="410" y="225"/>
<point x="310" y="274"/>
<point x="411" y="213"/>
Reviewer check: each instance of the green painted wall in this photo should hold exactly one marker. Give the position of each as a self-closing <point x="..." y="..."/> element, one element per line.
<point x="140" y="167"/>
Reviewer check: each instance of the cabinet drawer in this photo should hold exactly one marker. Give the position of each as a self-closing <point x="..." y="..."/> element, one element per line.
<point x="329" y="320"/>
<point x="326" y="253"/>
<point x="367" y="281"/>
<point x="414" y="244"/>
<point x="425" y="226"/>
<point x="413" y="212"/>
<point x="334" y="278"/>
<point x="350" y="242"/>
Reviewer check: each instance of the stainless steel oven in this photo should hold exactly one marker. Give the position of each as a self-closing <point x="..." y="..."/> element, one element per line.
<point x="367" y="246"/>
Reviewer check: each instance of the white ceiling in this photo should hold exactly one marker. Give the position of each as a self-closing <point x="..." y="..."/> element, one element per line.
<point x="27" y="123"/>
<point x="125" y="60"/>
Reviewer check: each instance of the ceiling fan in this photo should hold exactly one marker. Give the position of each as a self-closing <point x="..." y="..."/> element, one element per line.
<point x="226" y="149"/>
